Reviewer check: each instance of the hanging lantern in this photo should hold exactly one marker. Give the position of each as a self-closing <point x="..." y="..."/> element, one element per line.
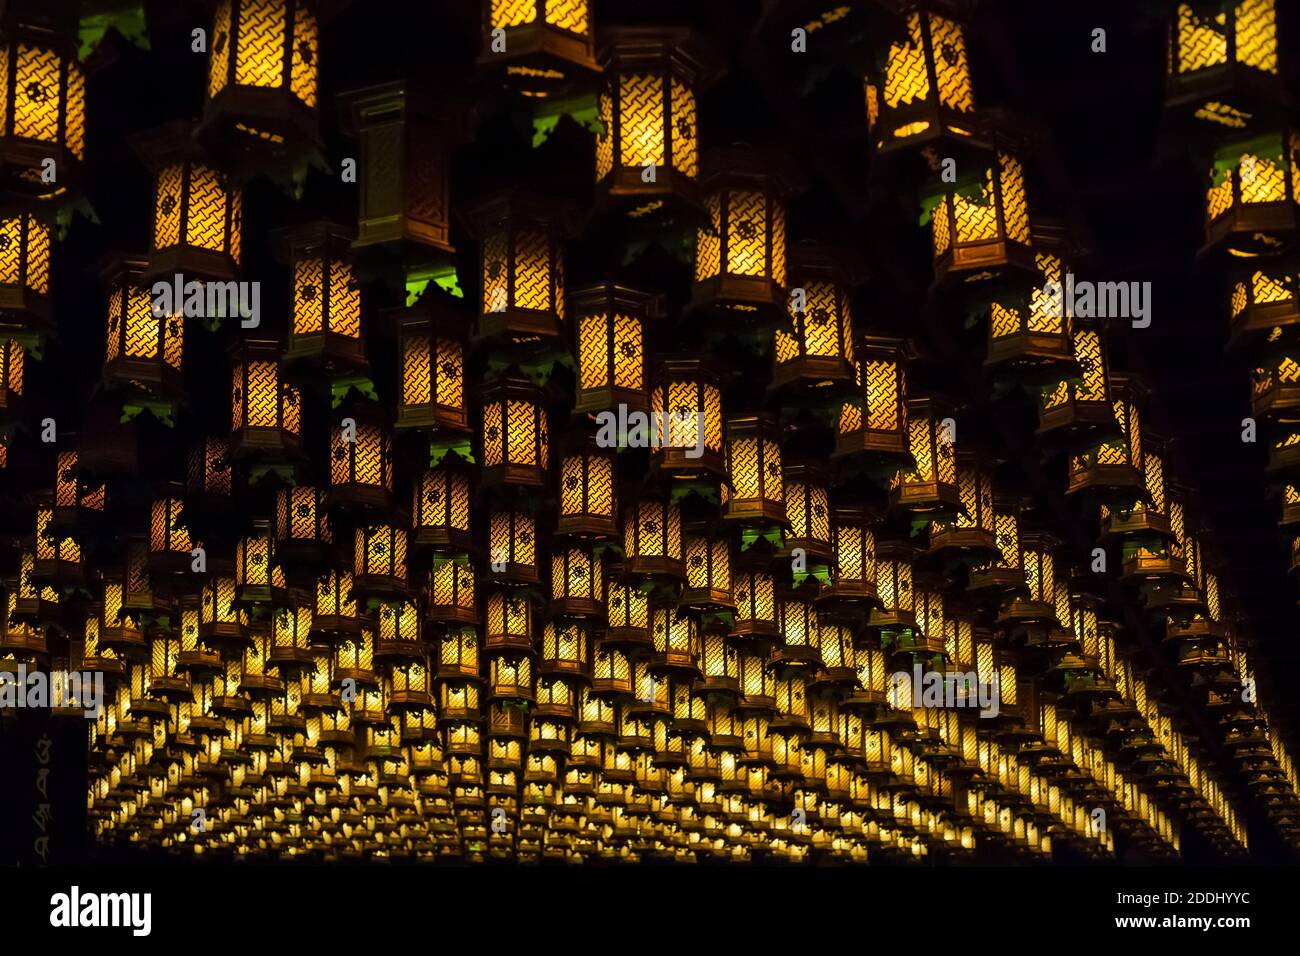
<point x="754" y="469"/>
<point x="265" y="413"/>
<point x="576" y="584"/>
<point x="433" y="337"/>
<point x="263" y="76"/>
<point x="523" y="266"/>
<point x="1264" y="309"/>
<point x="259" y="579"/>
<point x="652" y="540"/>
<point x="877" y="423"/>
<point x="25" y="273"/>
<point x="58" y="560"/>
<point x="78" y="504"/>
<point x="513" y="547"/>
<point x="541" y="47"/>
<point x="648" y="112"/>
<point x="852" y="588"/>
<point x="379" y="567"/>
<point x="894" y="589"/>
<point x="1029" y="335"/>
<point x="440" y="511"/>
<point x="170" y="544"/>
<point x="42" y="101"/>
<point x="143" y="349"/>
<point x="686" y="419"/>
<point x="361" y="466"/>
<point x="628" y="610"/>
<point x="12" y="366"/>
<point x="755" y="606"/>
<point x="740" y="255"/>
<point x="610" y="335"/>
<point x="588" y="493"/>
<point x="1250" y="206"/>
<point x="1113" y="465"/>
<point x="303" y="539"/>
<point x="808" y="508"/>
<point x="1223" y="62"/>
<point x="516" y="440"/>
<point x="197" y="210"/>
<point x="1031" y="613"/>
<point x="923" y="93"/>
<point x="221" y="621"/>
<point x="290" y="652"/>
<point x="566" y="655"/>
<point x="326" y="296"/>
<point x="677" y="643"/>
<point x="817" y="352"/>
<point x="335" y="617"/>
<point x="800" y="634"/>
<point x="708" y="572"/>
<point x="983" y="231"/>
<point x="1081" y="405"/>
<point x="451" y="594"/>
<point x="930" y="485"/>
<point x="1275" y="389"/>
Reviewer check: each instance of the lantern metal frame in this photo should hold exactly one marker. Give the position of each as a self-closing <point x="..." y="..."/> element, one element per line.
<point x="966" y="245"/>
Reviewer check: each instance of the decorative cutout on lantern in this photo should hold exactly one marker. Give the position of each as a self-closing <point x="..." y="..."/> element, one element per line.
<point x="972" y="531"/>
<point x="326" y="298"/>
<point x="197" y="210"/>
<point x="451" y="594"/>
<point x="923" y="93"/>
<point x="1251" y="203"/>
<point x="708" y="575"/>
<point x="170" y="543"/>
<point x="335" y="617"/>
<point x="588" y="499"/>
<point x="808" y="509"/>
<point x="1081" y="404"/>
<point x="516" y="439"/>
<point x="894" y="589"/>
<point x="259" y="579"/>
<point x="1264" y="308"/>
<point x="677" y="643"/>
<point x="265" y="413"/>
<point x="740" y="255"/>
<point x="980" y="230"/>
<point x="539" y="47"/>
<point x="522" y="266"/>
<point x="13" y="361"/>
<point x="263" y="76"/>
<point x="42" y="101"/>
<point x="1223" y="62"/>
<point x="851" y="591"/>
<point x="628" y="610"/>
<point x="648" y="113"/>
<point x="25" y="273"/>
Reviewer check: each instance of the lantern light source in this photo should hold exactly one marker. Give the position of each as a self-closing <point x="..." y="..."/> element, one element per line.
<point x="984" y="232"/>
<point x="1030" y="335"/>
<point x="754" y="467"/>
<point x="540" y="47"/>
<point x="326" y="298"/>
<point x="361" y="465"/>
<point x="263" y="77"/>
<point x="516" y="438"/>
<point x="930" y="484"/>
<point x="588" y="493"/>
<point x="379" y="564"/>
<point x="434" y="335"/>
<point x="1251" y="203"/>
<point x="686" y="439"/>
<point x="143" y="349"/>
<point x="25" y="271"/>
<point x="303" y="539"/>
<point x="1223" y="64"/>
<point x="818" y="351"/>
<point x="265" y="412"/>
<point x="42" y="100"/>
<point x="440" y="512"/>
<point x="13" y="363"/>
<point x="875" y="424"/>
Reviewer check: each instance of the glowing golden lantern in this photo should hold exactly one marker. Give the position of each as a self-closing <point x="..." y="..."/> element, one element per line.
<point x="451" y="594"/>
<point x="221" y="620"/>
<point x="433" y="338"/>
<point x="930" y="485"/>
<point x="197" y="210"/>
<point x="208" y="476"/>
<point x="628" y="610"/>
<point x="1031" y="612"/>
<point x="818" y="351"/>
<point x="263" y="75"/>
<point x="303" y="539"/>
<point x="808" y="508"/>
<point x="740" y="256"/>
<point x="379" y="565"/>
<point x="523" y="266"/>
<point x="576" y="583"/>
<point x="516" y="439"/>
<point x="143" y="349"/>
<point x="611" y="677"/>
<point x="754" y="468"/>
<point x="894" y="588"/>
<point x="335" y="617"/>
<point x="259" y="579"/>
<point x="1250" y="206"/>
<point x="440" y="511"/>
<point x="1113" y="463"/>
<point x="12" y="366"/>
<point x="565" y="654"/>
<point x="170" y="543"/>
<point x="513" y="547"/>
<point x="326" y="297"/>
<point x="686" y="437"/>
<point x="755" y="605"/>
<point x="800" y="634"/>
<point x="708" y="572"/>
<point x="58" y="559"/>
<point x="1223" y="61"/>
<point x="877" y="422"/>
<point x="973" y="530"/>
<point x="720" y="675"/>
<point x="652" y="540"/>
<point x="1082" y="404"/>
<point x="42" y="101"/>
<point x="588" y="493"/>
<point x="265" y="412"/>
<point x="541" y="47"/>
<point x="1275" y="390"/>
<point x="983" y="232"/>
<point x="924" y="91"/>
<point x="509" y="621"/>
<point x="510" y="676"/>
<point x="25" y="271"/>
<point x="610" y="334"/>
<point x="852" y="589"/>
<point x="361" y="466"/>
<point x="290" y="652"/>
<point x="1030" y="334"/>
<point x="677" y="642"/>
<point x="648" y="111"/>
